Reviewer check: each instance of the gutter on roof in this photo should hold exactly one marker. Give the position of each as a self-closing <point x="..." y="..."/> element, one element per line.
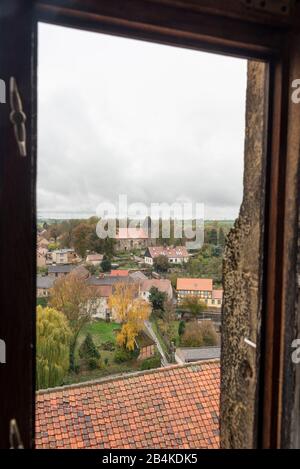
<point x="127" y="376"/>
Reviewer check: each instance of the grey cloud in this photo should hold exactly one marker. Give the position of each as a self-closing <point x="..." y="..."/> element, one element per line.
<point x="123" y="116"/>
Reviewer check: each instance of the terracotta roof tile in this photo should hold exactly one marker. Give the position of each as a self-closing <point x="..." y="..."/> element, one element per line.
<point x="174" y="407"/>
<point x="131" y="233"/>
<point x="194" y="284"/>
<point x="168" y="251"/>
<point x="119" y="273"/>
<point x="217" y="294"/>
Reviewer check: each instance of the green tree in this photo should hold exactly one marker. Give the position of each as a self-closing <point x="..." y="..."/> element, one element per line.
<point x="53" y="246"/>
<point x="102" y="246"/>
<point x="206" y="267"/>
<point x="88" y="349"/>
<point x="53" y="337"/>
<point x="109" y="246"/>
<point x="93" y="269"/>
<point x="157" y="299"/>
<point x="72" y="296"/>
<point x="106" y="264"/>
<point x="193" y="305"/>
<point x="217" y="251"/>
<point x="89" y="353"/>
<point x="173" y="279"/>
<point x="169" y="318"/>
<point x="181" y="328"/>
<point x="81" y="238"/>
<point x="43" y="301"/>
<point x="161" y="263"/>
<point x="213" y="236"/>
<point x="222" y="238"/>
<point x="54" y="231"/>
<point x="67" y="227"/>
<point x="41" y="270"/>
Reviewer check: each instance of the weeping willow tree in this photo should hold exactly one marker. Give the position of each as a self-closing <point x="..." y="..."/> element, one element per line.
<point x="52" y="347"/>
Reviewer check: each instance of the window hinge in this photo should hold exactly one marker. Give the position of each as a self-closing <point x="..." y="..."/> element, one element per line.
<point x="15" y="441"/>
<point x="276" y="7"/>
<point x="17" y="116"/>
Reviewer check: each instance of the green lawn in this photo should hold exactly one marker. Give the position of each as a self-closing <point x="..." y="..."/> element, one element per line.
<point x="126" y="265"/>
<point x="111" y="369"/>
<point x="101" y="332"/>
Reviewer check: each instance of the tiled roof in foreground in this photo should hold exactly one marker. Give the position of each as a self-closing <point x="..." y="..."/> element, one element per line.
<point x="174" y="407"/>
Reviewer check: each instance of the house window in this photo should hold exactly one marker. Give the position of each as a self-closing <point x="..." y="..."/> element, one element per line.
<point x="263" y="50"/>
<point x="135" y="109"/>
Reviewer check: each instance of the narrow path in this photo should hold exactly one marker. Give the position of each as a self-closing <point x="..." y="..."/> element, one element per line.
<point x="149" y="328"/>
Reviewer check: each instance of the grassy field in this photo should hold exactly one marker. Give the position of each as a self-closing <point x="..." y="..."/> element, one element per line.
<point x="101" y="332"/>
<point x="111" y="369"/>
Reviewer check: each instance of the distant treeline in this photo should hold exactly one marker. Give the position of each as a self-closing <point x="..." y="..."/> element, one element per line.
<point x="81" y="234"/>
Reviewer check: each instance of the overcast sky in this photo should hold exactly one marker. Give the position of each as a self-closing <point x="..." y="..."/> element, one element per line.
<point x="120" y="116"/>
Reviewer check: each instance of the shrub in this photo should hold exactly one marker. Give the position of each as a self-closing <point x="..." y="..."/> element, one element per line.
<point x="149" y="363"/>
<point x="192" y="336"/>
<point x="88" y="349"/>
<point x="161" y="263"/>
<point x="92" y="363"/>
<point x="106" y="264"/>
<point x="42" y="302"/>
<point x="181" y="328"/>
<point x="210" y="336"/>
<point x="123" y="355"/>
<point x="106" y="361"/>
<point x="108" y="346"/>
<point x="198" y="334"/>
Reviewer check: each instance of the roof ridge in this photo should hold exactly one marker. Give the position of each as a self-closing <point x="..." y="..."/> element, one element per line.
<point x="125" y="376"/>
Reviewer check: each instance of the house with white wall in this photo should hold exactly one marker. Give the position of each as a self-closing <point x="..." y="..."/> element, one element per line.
<point x="175" y="255"/>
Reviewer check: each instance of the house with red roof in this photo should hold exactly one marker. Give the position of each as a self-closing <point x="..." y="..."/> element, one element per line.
<point x="202" y="288"/>
<point x="119" y="273"/>
<point x="163" y="285"/>
<point x="217" y="299"/>
<point x="175" y="255"/>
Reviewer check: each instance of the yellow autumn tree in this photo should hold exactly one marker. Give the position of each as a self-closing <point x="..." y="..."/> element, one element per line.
<point x="130" y="310"/>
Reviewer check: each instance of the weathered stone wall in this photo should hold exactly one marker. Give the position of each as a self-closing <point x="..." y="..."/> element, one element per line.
<point x="290" y="434"/>
<point x="242" y="271"/>
<point x="291" y="438"/>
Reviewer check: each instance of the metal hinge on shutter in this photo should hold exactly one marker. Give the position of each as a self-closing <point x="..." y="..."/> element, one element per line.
<point x="15" y="441"/>
<point x="17" y="116"/>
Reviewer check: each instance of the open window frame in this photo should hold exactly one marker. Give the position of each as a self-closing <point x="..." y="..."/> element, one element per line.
<point x="203" y="25"/>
